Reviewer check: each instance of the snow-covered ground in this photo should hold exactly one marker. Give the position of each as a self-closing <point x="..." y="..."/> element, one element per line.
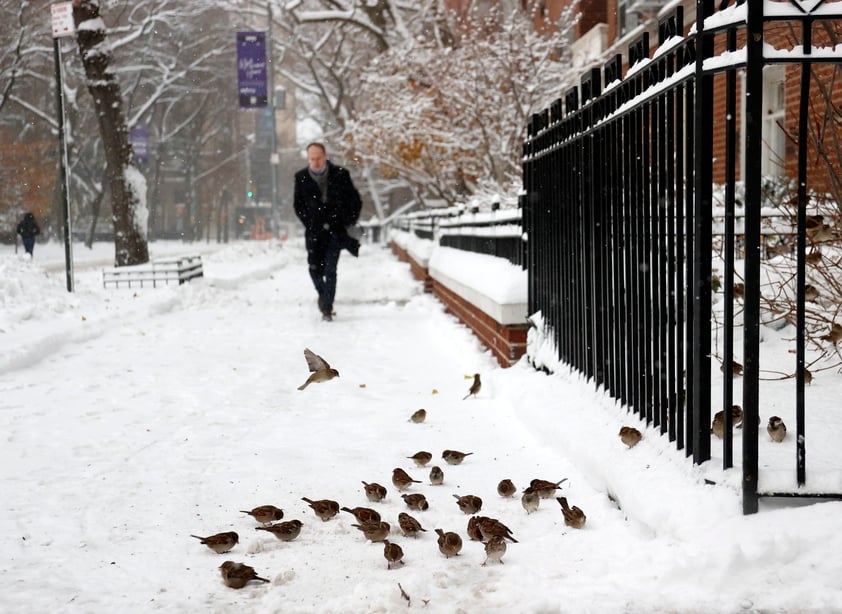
<point x="132" y="419"/>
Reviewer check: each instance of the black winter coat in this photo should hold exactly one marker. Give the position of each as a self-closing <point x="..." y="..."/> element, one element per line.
<point x="341" y="210"/>
<point x="28" y="227"/>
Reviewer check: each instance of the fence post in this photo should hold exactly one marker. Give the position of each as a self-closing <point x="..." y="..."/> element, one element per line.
<point x="703" y="187"/>
<point x="751" y="300"/>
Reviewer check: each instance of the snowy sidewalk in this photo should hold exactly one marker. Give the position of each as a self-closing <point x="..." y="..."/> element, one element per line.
<point x="132" y="419"/>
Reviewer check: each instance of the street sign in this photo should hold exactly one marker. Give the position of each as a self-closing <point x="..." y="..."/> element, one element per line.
<point x="62" y="19"/>
<point x="251" y="70"/>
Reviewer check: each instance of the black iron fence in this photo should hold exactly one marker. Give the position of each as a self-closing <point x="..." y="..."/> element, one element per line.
<point x="617" y="208"/>
<point x="496" y="232"/>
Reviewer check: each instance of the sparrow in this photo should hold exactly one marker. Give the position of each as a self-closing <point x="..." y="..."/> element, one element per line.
<point x="436" y="475"/>
<point x="530" y="500"/>
<point x="419" y="416"/>
<point x="362" y="514"/>
<point x="573" y="516"/>
<point x="421" y="458"/>
<point x="630" y="436"/>
<point x="814" y="257"/>
<point x="324" y="508"/>
<point x="473" y="528"/>
<point x="401" y="479"/>
<point x="820" y="232"/>
<point x="718" y="425"/>
<point x="489" y="527"/>
<point x="776" y="429"/>
<point x="475" y="387"/>
<point x="545" y="488"/>
<point x="284" y="531"/>
<point x="469" y="504"/>
<point x="409" y="525"/>
<point x="449" y="543"/>
<point x="808" y="377"/>
<point x="454" y="457"/>
<point x="736" y="368"/>
<point x="237" y="575"/>
<point x="320" y="371"/>
<point x="506" y="488"/>
<point x="265" y="513"/>
<point x="220" y="542"/>
<point x="495" y="548"/>
<point x="416" y="502"/>
<point x="392" y="552"/>
<point x="811" y="293"/>
<point x="374" y="492"/>
<point x="834" y="335"/>
<point x="739" y="290"/>
<point x="374" y="531"/>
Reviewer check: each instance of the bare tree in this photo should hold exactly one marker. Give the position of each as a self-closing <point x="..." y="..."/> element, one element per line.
<point x="127" y="184"/>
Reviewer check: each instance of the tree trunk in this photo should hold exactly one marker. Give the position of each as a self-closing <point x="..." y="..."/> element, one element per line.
<point x="128" y="187"/>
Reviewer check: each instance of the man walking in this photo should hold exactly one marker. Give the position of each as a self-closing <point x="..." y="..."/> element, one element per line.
<point x="327" y="203"/>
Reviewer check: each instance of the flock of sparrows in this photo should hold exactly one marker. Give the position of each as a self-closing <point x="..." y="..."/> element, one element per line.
<point x="491" y="532"/>
<point x="775" y="426"/>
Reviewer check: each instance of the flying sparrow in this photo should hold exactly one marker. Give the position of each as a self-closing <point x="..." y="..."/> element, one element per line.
<point x="776" y="429"/>
<point x="475" y="387"/>
<point x="449" y="543"/>
<point x="421" y="458"/>
<point x="374" y="492"/>
<point x="284" y="531"/>
<point x="374" y="531"/>
<point x="718" y="425"/>
<point x="495" y="548"/>
<point x="237" y="575"/>
<point x="436" y="475"/>
<point x="220" y="542"/>
<point x="320" y="371"/>
<point x="363" y="514"/>
<point x="419" y="416"/>
<point x="392" y="552"/>
<point x="473" y="528"/>
<point x="630" y="436"/>
<point x="416" y="502"/>
<point x="469" y="504"/>
<point x="573" y="516"/>
<point x="506" y="488"/>
<point x="545" y="488"/>
<point x="530" y="500"/>
<point x="409" y="525"/>
<point x="401" y="479"/>
<point x="489" y="527"/>
<point x="324" y="508"/>
<point x="265" y="513"/>
<point x="454" y="457"/>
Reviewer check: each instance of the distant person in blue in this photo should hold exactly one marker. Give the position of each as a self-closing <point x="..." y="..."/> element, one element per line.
<point x="28" y="229"/>
<point x="327" y="203"/>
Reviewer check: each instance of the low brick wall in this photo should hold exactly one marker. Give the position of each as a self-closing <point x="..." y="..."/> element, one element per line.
<point x="506" y="341"/>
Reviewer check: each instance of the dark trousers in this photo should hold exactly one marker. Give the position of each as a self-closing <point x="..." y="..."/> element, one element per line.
<point x="323" y="259"/>
<point x="28" y="244"/>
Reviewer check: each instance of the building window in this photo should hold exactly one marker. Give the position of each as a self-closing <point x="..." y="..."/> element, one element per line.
<point x="627" y="19"/>
<point x="774" y="107"/>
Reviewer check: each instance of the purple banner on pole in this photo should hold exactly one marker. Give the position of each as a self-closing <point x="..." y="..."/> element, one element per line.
<point x="140" y="143"/>
<point x="251" y="69"/>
